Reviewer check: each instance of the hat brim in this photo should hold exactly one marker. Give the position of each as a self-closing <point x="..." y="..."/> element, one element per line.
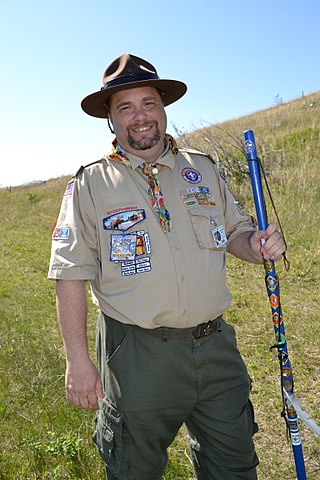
<point x="94" y="104"/>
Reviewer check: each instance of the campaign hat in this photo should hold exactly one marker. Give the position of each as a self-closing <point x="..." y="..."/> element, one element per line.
<point x="129" y="71"/>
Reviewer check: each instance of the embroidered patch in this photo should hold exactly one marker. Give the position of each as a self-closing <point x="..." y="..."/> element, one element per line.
<point x="191" y="175"/>
<point x="211" y="200"/>
<point x="142" y="263"/>
<point x="61" y="233"/>
<point x="202" y="198"/>
<point x="198" y="190"/>
<point x="134" y="257"/>
<point x="219" y="236"/>
<point x="143" y="246"/>
<point x="69" y="189"/>
<point x="124" y="220"/>
<point x="122" y="209"/>
<point x="198" y="198"/>
<point x="189" y="200"/>
<point x="123" y="247"/>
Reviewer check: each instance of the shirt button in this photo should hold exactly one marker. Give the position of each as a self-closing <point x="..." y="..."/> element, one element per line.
<point x="184" y="312"/>
<point x="183" y="278"/>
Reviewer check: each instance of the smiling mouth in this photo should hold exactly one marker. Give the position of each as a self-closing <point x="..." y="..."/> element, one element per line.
<point x="143" y="137"/>
<point x="142" y="129"/>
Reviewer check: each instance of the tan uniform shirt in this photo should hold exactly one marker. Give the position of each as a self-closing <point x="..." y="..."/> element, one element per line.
<point x="108" y="233"/>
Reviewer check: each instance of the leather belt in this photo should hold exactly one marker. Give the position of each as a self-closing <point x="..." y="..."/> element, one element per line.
<point x="194" y="333"/>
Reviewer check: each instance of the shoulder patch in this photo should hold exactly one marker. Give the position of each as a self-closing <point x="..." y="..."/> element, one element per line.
<point x="86" y="166"/>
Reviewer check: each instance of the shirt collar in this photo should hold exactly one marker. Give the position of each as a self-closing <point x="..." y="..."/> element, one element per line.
<point x="166" y="158"/>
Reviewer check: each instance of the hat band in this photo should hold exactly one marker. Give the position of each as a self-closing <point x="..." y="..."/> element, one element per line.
<point x="138" y="77"/>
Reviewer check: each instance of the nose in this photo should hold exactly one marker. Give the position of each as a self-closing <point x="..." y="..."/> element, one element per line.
<point x="140" y="114"/>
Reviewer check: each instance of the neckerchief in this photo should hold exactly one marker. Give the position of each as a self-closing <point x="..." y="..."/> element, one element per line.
<point x="151" y="171"/>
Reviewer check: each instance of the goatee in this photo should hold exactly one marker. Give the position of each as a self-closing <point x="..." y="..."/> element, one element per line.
<point x="145" y="143"/>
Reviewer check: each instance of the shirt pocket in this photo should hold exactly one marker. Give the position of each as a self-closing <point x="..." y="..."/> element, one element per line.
<point x="205" y="221"/>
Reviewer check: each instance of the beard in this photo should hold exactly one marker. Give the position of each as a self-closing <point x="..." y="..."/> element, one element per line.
<point x="146" y="142"/>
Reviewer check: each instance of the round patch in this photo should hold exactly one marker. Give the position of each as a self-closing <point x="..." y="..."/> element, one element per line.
<point x="191" y="175"/>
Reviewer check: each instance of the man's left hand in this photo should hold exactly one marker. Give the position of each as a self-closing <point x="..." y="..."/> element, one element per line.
<point x="269" y="243"/>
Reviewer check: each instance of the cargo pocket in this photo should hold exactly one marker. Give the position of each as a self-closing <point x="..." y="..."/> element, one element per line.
<point x="108" y="435"/>
<point x="205" y="222"/>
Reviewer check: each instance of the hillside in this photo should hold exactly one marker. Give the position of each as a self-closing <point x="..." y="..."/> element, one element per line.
<point x="43" y="437"/>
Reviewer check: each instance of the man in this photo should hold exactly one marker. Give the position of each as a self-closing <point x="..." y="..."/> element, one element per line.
<point x="149" y="227"/>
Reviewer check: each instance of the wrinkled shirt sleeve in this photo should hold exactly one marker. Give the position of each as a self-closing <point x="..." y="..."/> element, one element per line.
<point x="74" y="254"/>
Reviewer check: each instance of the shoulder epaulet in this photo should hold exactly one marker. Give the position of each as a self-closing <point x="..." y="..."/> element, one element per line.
<point x="197" y="152"/>
<point x="85" y="166"/>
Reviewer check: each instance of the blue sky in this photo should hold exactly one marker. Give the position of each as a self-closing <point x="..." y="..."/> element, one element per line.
<point x="235" y="56"/>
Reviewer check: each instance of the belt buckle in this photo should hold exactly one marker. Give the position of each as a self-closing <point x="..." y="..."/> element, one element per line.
<point x="208" y="329"/>
<point x="203" y="330"/>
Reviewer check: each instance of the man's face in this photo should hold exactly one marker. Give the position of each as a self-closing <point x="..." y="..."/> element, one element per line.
<point x="139" y="121"/>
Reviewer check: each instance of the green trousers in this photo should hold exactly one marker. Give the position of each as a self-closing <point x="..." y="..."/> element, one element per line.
<point x="154" y="385"/>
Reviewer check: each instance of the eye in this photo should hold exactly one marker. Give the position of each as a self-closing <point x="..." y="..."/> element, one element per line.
<point x="124" y="108"/>
<point x="149" y="103"/>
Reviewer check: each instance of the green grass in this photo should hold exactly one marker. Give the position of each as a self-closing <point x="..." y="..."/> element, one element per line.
<point x="43" y="437"/>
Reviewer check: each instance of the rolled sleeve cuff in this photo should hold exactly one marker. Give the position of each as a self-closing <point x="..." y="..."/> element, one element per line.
<point x="70" y="273"/>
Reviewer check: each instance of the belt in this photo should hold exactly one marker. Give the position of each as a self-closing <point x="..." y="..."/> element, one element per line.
<point x="194" y="333"/>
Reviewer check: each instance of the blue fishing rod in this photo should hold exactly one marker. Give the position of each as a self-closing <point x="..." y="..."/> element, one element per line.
<point x="272" y="284"/>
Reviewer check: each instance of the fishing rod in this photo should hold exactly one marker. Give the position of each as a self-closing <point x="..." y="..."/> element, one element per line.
<point x="272" y="284"/>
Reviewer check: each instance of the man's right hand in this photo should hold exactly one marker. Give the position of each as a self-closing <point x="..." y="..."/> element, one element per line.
<point x="83" y="381"/>
<point x="83" y="384"/>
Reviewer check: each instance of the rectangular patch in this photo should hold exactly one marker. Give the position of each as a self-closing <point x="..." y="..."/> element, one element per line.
<point x="202" y="198"/>
<point x="122" y="209"/>
<point x="198" y="190"/>
<point x="189" y="200"/>
<point x="198" y="196"/>
<point x="143" y="246"/>
<point x="211" y="200"/>
<point x="61" y="233"/>
<point x="123" y="247"/>
<point x="69" y="189"/>
<point x="141" y="265"/>
<point x="219" y="236"/>
<point x="192" y="189"/>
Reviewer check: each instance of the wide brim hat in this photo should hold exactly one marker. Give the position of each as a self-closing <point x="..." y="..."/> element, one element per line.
<point x="129" y="71"/>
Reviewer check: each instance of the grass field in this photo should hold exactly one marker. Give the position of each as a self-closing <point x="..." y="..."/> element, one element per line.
<point x="43" y="437"/>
